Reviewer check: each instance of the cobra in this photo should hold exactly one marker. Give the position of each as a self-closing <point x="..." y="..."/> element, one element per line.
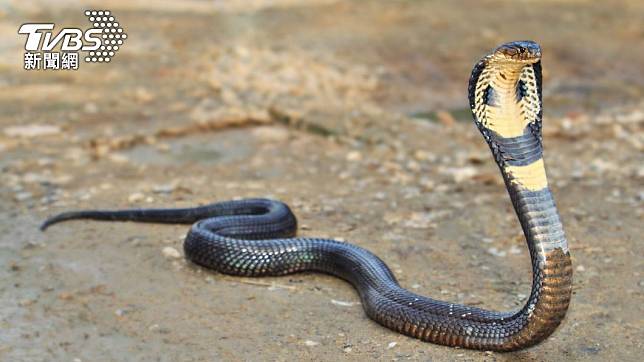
<point x="256" y="237"/>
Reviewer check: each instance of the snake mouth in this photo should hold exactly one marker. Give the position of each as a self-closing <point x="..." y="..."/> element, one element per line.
<point x="525" y="51"/>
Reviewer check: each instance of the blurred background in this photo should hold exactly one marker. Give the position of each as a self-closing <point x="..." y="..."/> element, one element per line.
<point x="353" y="112"/>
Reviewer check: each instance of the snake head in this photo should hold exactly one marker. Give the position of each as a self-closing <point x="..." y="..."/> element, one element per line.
<point x="526" y="52"/>
<point x="505" y="98"/>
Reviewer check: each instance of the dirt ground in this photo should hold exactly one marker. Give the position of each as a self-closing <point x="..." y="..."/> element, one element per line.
<point x="354" y="113"/>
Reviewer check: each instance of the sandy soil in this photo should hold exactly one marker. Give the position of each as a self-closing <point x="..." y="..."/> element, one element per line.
<point x="355" y="114"/>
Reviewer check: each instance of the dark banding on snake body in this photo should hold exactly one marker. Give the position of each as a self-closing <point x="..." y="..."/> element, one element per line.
<point x="256" y="237"/>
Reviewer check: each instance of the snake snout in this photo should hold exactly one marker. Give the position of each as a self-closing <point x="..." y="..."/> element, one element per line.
<point x="524" y="51"/>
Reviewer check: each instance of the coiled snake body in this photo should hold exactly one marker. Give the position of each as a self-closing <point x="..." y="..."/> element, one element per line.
<point x="256" y="237"/>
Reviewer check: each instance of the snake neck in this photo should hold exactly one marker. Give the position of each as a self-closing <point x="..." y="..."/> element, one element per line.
<point x="506" y="103"/>
<point x="520" y="160"/>
<point x="551" y="265"/>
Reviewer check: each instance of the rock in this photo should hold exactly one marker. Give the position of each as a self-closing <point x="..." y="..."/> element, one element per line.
<point x="427" y="184"/>
<point x="515" y="250"/>
<point x="602" y="166"/>
<point x="136" y="197"/>
<point x="65" y="296"/>
<point x="445" y="118"/>
<point x="420" y="220"/>
<point x="23" y="196"/>
<point x="90" y="108"/>
<point x="460" y="174"/>
<point x="477" y="158"/>
<point x="632" y="117"/>
<point x="422" y="155"/>
<point x="580" y="268"/>
<point x="163" y="189"/>
<point x="488" y="178"/>
<point x="310" y="343"/>
<point x="230" y="97"/>
<point x="640" y="196"/>
<point x="413" y="166"/>
<point x="26" y="302"/>
<point x="392" y="345"/>
<point x="31" y="130"/>
<point x="342" y="303"/>
<point x="354" y="156"/>
<point x="143" y="95"/>
<point x="170" y="252"/>
<point x="496" y="252"/>
<point x="118" y="158"/>
<point x="270" y="134"/>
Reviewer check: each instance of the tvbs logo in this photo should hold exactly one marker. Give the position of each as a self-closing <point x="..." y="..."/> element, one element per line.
<point x="100" y="42"/>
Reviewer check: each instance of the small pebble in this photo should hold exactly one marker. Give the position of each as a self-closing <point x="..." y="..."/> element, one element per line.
<point x="354" y="156"/>
<point x="171" y="253"/>
<point x="90" y="108"/>
<point x="31" y="130"/>
<point x="580" y="268"/>
<point x="342" y="303"/>
<point x="118" y="158"/>
<point x="497" y="252"/>
<point x="421" y="155"/>
<point x="23" y="196"/>
<point x="310" y="343"/>
<point x="26" y="302"/>
<point x="163" y="189"/>
<point x="515" y="250"/>
<point x="136" y="197"/>
<point x="380" y="195"/>
<point x="427" y="184"/>
<point x="270" y="134"/>
<point x="392" y="345"/>
<point x="461" y="174"/>
<point x="143" y="95"/>
<point x="65" y="296"/>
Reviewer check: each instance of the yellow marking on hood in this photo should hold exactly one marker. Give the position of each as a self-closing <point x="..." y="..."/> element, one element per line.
<point x="507" y="117"/>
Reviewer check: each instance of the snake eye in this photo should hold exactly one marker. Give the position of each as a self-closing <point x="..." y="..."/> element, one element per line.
<point x="511" y="51"/>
